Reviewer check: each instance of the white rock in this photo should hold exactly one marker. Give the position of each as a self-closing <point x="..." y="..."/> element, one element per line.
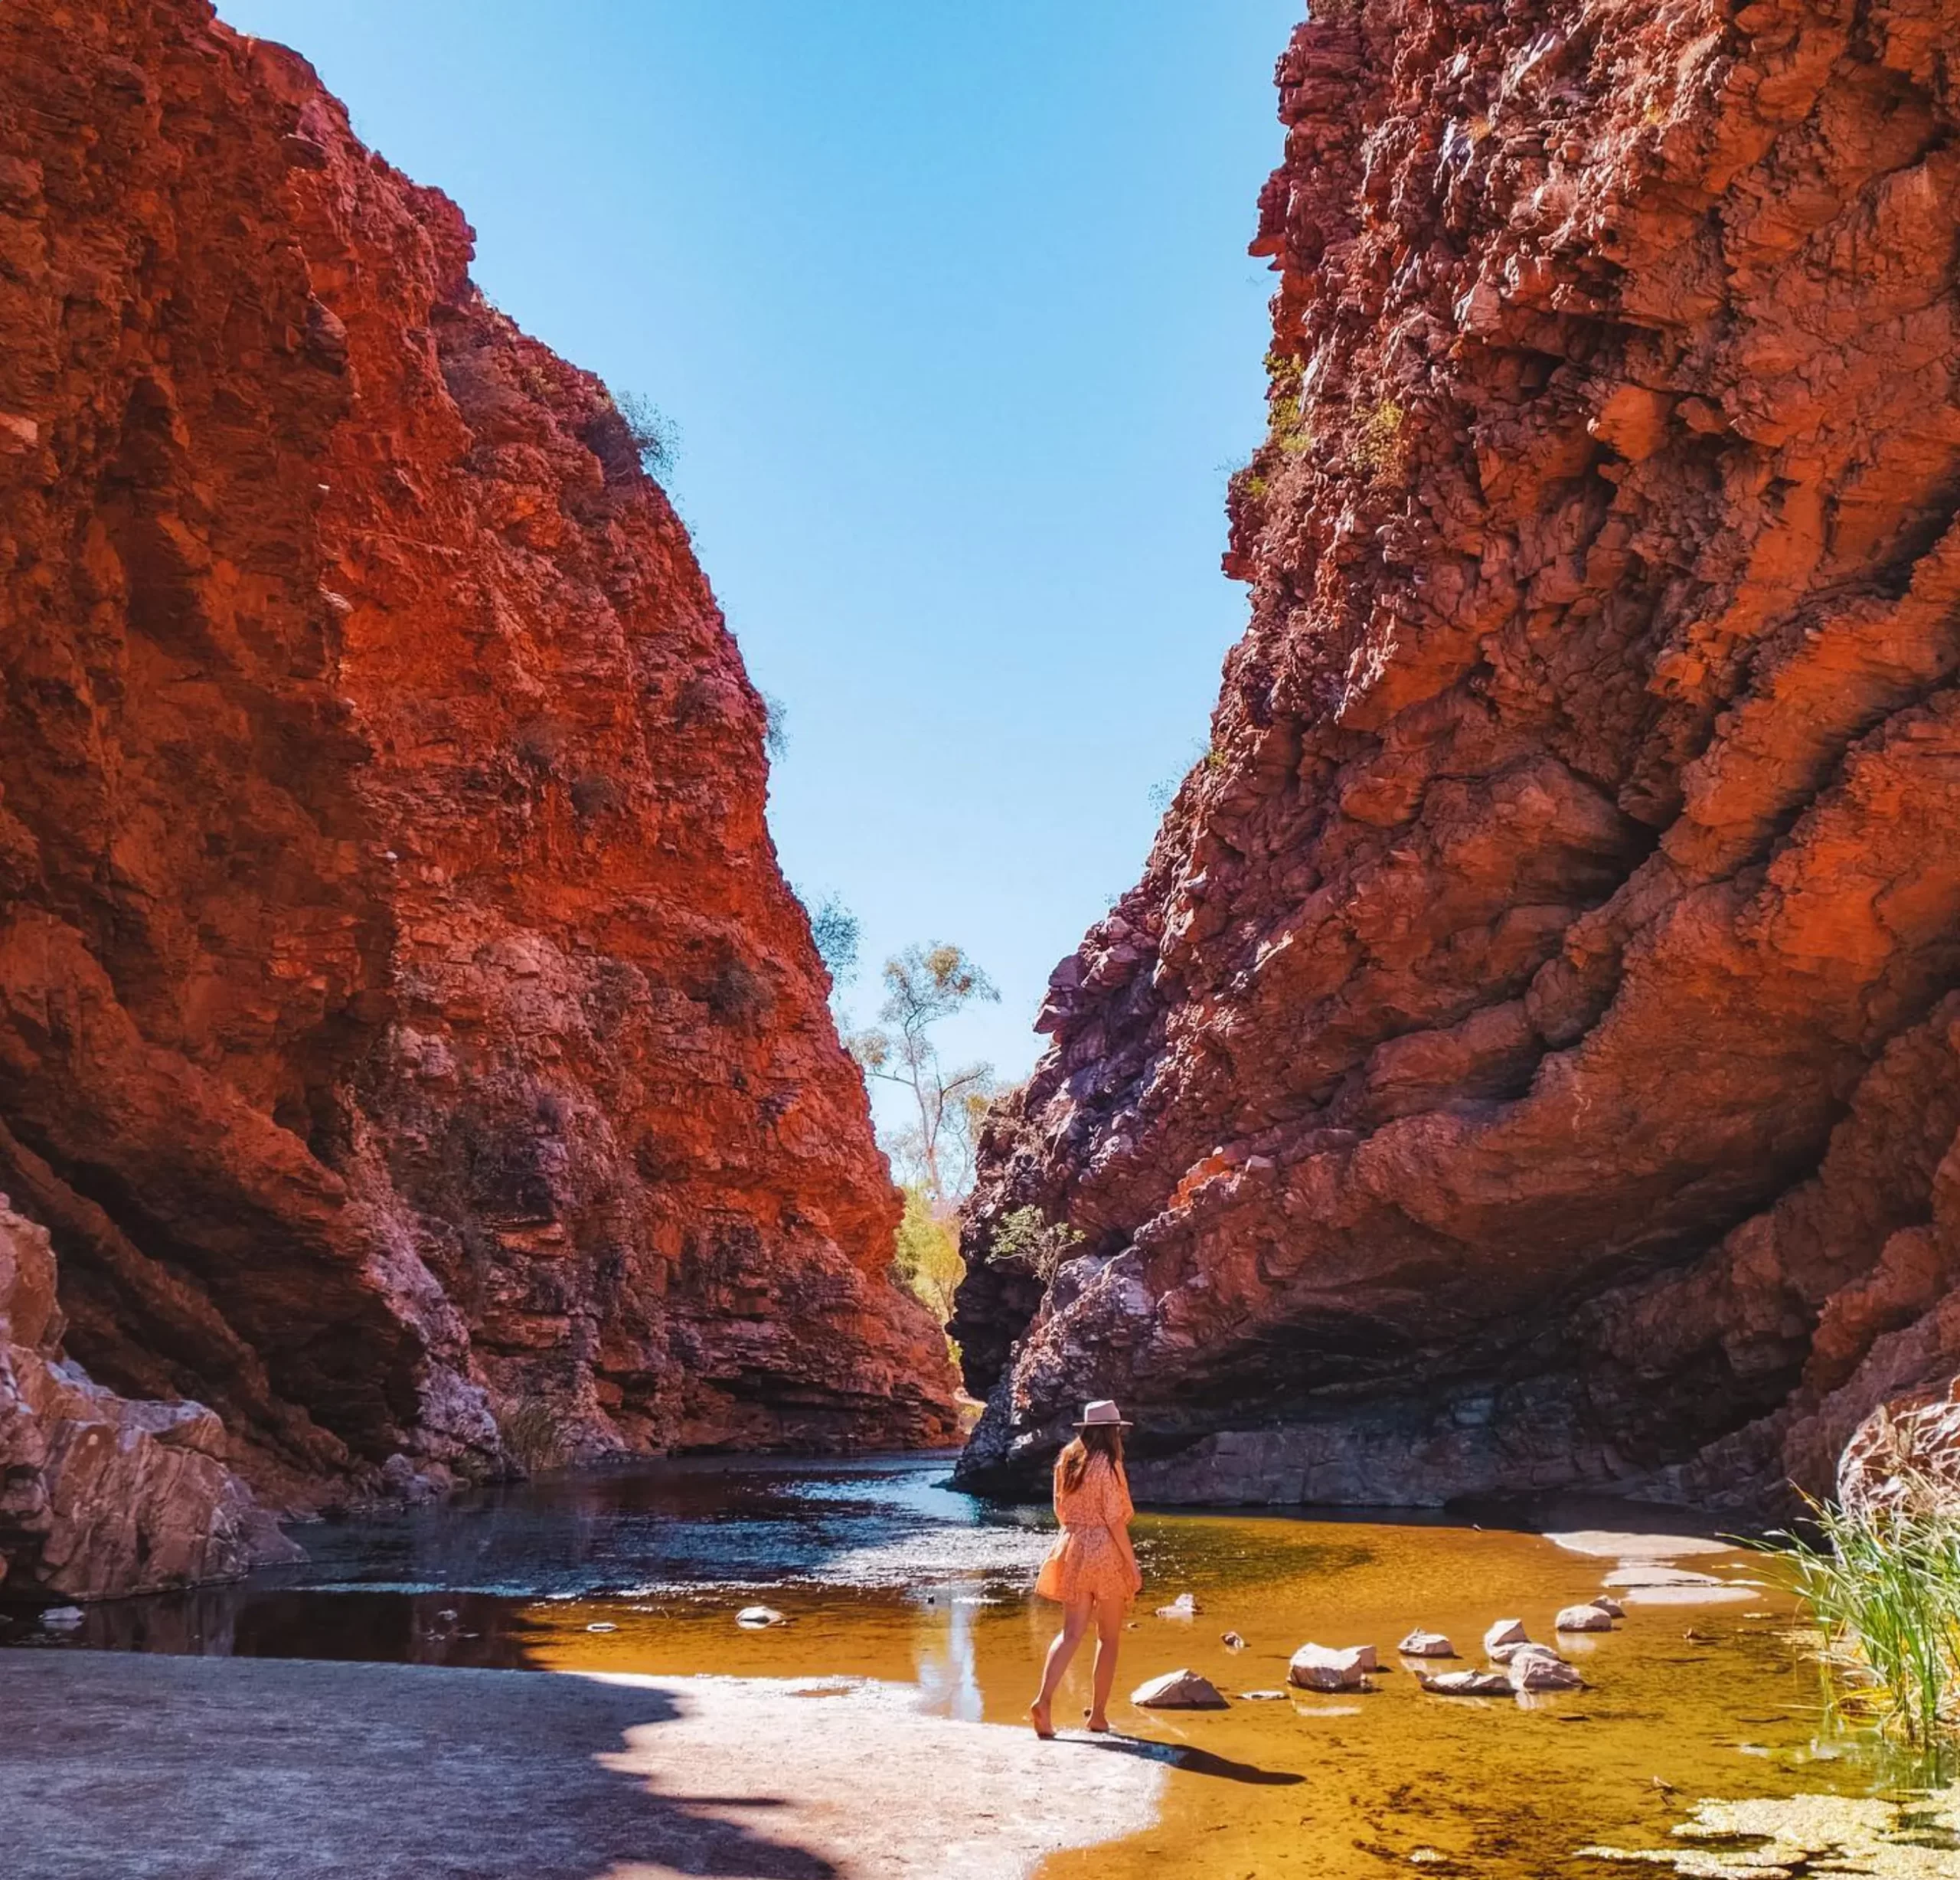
<point x="1505" y="1632"/>
<point x="756" y="1617"/>
<point x="1540" y="1669"/>
<point x="1323" y="1667"/>
<point x="1583" y="1619"/>
<point x="1421" y="1644"/>
<point x="1611" y="1607"/>
<point x="61" y="1618"/>
<point x="1465" y="1683"/>
<point x="1262" y="1697"/>
<point x="1645" y="1572"/>
<point x="603" y="1626"/>
<point x="1184" y="1607"/>
<point x="1179" y="1690"/>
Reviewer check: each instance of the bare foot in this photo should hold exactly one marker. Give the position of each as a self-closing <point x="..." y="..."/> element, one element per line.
<point x="1099" y="1725"/>
<point x="1039" y="1715"/>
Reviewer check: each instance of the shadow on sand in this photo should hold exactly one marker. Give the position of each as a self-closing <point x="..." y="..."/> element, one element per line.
<point x="159" y="1768"/>
<point x="1195" y="1762"/>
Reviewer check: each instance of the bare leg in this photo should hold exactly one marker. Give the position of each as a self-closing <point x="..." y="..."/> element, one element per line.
<point x="1109" y="1636"/>
<point x="1075" y="1622"/>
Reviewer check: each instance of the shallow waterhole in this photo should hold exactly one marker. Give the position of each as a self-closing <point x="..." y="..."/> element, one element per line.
<point x="884" y="1572"/>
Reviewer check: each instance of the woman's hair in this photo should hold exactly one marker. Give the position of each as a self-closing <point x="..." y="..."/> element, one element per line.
<point x="1094" y="1439"/>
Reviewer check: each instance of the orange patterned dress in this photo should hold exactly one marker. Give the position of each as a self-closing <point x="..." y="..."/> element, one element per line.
<point x="1086" y="1561"/>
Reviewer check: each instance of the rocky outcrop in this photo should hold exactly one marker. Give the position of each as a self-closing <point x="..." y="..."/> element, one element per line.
<point x="404" y="1024"/>
<point x="1529" y="1058"/>
<point x="99" y="1495"/>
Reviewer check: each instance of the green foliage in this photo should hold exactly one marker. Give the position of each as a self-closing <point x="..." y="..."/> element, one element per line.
<point x="838" y="934"/>
<point x="1379" y="446"/>
<point x="1884" y="1586"/>
<point x="923" y="986"/>
<point x="1026" y="1234"/>
<point x="651" y="433"/>
<point x="925" y="1255"/>
<point x="534" y="1435"/>
<point x="775" y="727"/>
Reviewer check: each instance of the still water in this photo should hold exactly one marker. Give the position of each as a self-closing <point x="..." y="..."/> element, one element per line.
<point x="884" y="1572"/>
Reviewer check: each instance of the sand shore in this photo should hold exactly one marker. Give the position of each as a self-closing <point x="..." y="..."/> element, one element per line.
<point x="119" y="1767"/>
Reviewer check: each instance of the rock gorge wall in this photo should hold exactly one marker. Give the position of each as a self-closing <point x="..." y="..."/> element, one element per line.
<point x="403" y="1021"/>
<point x="1531" y="1058"/>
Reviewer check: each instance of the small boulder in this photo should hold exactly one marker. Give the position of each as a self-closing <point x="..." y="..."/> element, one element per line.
<point x="61" y="1618"/>
<point x="604" y="1625"/>
<point x="753" y="1618"/>
<point x="1611" y="1607"/>
<point x="1421" y="1644"/>
<point x="1503" y="1654"/>
<point x="1179" y="1690"/>
<point x="1262" y="1697"/>
<point x="1465" y="1683"/>
<point x="1583" y="1619"/>
<point x="1505" y="1632"/>
<point x="1323" y="1667"/>
<point x="1184" y="1607"/>
<point x="1542" y="1669"/>
<point x="1231" y="1641"/>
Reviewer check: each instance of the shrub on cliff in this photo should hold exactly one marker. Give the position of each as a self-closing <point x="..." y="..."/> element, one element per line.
<point x="1028" y="1236"/>
<point x="650" y="432"/>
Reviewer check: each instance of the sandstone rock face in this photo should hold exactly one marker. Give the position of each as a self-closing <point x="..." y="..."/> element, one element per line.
<point x="99" y="1495"/>
<point x="403" y="1019"/>
<point x="1530" y="1058"/>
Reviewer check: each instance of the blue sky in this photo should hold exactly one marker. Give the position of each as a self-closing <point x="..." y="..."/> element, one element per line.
<point x="951" y="305"/>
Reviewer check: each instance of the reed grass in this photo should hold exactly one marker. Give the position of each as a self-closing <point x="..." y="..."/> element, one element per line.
<point x="1883" y="1584"/>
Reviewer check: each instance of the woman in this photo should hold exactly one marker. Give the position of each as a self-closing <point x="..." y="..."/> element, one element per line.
<point x="1091" y="1570"/>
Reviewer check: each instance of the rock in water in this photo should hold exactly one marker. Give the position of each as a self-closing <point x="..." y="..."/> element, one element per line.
<point x="756" y="1617"/>
<point x="1465" y="1683"/>
<point x="1184" y="1606"/>
<point x="1610" y="1607"/>
<point x="1554" y="952"/>
<point x="1537" y="1668"/>
<point x="1503" y="1632"/>
<point x="1179" y="1690"/>
<point x="1231" y="1641"/>
<point x="1322" y="1668"/>
<point x="1420" y="1644"/>
<point x="405" y="1029"/>
<point x="1587" y="1618"/>
<point x="62" y="1619"/>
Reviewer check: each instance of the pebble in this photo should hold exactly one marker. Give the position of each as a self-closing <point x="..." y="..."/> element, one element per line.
<point x="755" y="1617"/>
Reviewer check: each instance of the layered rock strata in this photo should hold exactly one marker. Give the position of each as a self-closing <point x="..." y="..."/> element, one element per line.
<point x="404" y="1027"/>
<point x="1529" y="1058"/>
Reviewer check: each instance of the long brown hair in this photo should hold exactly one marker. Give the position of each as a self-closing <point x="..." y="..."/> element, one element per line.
<point x="1093" y="1438"/>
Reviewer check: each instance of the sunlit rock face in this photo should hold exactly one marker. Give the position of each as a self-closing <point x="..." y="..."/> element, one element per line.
<point x="1528" y="1060"/>
<point x="403" y="1019"/>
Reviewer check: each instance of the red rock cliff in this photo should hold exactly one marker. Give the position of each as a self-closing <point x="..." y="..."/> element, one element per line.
<point x="403" y="1020"/>
<point x="1532" y="1056"/>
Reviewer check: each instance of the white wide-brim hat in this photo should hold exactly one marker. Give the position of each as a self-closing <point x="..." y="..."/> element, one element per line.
<point x="1102" y="1415"/>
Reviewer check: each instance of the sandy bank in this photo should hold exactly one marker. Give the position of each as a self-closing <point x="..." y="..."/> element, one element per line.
<point x="155" y="1768"/>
